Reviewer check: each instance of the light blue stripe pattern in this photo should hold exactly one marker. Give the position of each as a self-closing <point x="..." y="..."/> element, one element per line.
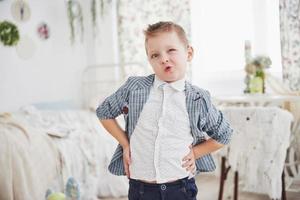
<point x="203" y="115"/>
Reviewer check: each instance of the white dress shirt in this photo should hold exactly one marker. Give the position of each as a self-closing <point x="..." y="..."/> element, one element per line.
<point x="162" y="135"/>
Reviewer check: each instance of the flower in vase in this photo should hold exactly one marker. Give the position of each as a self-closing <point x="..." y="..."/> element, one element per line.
<point x="250" y="68"/>
<point x="255" y="69"/>
<point x="262" y="62"/>
<point x="257" y="65"/>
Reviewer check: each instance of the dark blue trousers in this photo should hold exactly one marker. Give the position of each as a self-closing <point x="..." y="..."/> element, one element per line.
<point x="183" y="189"/>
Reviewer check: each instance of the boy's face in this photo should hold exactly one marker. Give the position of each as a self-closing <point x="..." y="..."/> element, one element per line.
<point x="168" y="56"/>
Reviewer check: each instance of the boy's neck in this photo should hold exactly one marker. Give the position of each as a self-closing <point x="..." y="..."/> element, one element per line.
<point x="178" y="84"/>
<point x="181" y="79"/>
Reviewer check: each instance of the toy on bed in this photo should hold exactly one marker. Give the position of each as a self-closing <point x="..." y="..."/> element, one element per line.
<point x="55" y="145"/>
<point x="72" y="192"/>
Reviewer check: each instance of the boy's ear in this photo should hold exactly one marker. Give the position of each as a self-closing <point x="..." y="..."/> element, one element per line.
<point x="190" y="51"/>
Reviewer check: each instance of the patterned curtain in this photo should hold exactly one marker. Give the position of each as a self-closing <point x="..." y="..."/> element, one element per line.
<point x="290" y="50"/>
<point x="290" y="42"/>
<point x="133" y="17"/>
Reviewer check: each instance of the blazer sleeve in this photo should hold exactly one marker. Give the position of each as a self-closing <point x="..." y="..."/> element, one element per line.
<point x="112" y="106"/>
<point x="216" y="125"/>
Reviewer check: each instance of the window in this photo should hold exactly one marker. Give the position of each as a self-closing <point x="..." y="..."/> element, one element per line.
<point x="219" y="30"/>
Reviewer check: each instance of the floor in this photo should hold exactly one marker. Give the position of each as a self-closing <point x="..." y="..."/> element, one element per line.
<point x="208" y="186"/>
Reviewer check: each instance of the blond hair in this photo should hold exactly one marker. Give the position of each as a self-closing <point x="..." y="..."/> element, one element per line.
<point x="165" y="26"/>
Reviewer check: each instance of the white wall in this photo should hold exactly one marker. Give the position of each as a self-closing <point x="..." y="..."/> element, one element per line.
<point x="54" y="71"/>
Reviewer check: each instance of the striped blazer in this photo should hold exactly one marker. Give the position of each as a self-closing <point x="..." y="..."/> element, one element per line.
<point x="204" y="118"/>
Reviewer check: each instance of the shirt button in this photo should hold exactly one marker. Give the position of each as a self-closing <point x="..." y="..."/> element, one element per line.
<point x="163" y="187"/>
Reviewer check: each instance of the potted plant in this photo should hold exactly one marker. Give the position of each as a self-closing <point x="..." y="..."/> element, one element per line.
<point x="9" y="34"/>
<point x="255" y="74"/>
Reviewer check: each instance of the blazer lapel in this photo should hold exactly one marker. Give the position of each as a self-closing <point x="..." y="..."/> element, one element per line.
<point x="193" y="108"/>
<point x="137" y="100"/>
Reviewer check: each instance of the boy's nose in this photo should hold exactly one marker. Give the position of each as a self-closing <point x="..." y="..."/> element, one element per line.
<point x="164" y="60"/>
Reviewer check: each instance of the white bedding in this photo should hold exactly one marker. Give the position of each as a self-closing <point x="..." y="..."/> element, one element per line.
<point x="42" y="149"/>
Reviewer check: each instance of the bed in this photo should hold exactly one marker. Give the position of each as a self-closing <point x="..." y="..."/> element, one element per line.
<point x="42" y="146"/>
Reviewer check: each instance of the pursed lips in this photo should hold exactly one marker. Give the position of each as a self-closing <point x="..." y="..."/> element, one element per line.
<point x="167" y="68"/>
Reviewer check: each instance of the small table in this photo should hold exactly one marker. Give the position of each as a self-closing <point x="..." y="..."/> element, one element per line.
<point x="246" y="100"/>
<point x="261" y="100"/>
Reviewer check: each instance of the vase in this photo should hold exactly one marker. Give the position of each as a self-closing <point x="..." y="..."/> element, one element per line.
<point x="256" y="85"/>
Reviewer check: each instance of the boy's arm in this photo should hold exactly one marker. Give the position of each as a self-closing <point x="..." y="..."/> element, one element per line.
<point x="198" y="151"/>
<point x="116" y="131"/>
<point x="206" y="147"/>
<point x="108" y="111"/>
<point x="216" y="125"/>
<point x="112" y="106"/>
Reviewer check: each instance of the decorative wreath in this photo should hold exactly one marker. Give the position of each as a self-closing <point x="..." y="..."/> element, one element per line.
<point x="9" y="34"/>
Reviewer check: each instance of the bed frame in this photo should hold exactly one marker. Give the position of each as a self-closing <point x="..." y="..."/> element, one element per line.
<point x="98" y="81"/>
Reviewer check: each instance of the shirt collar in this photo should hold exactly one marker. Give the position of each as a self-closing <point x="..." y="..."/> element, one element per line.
<point x="177" y="85"/>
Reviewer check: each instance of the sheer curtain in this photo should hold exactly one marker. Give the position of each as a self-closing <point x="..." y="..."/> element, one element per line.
<point x="219" y="30"/>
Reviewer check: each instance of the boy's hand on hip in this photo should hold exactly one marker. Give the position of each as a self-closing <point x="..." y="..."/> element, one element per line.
<point x="189" y="161"/>
<point x="126" y="160"/>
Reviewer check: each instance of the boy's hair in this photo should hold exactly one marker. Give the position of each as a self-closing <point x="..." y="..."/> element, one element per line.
<point x="165" y="26"/>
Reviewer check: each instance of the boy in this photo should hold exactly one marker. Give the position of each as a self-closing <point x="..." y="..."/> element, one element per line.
<point x="164" y="143"/>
